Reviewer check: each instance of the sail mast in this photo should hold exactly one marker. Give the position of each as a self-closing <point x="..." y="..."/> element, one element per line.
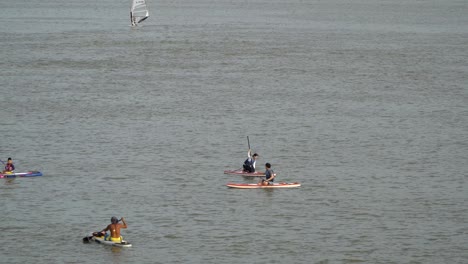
<point x="138" y="12"/>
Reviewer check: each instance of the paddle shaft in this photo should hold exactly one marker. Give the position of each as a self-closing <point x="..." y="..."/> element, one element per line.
<point x="248" y="141"/>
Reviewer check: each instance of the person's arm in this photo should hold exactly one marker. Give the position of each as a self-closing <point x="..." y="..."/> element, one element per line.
<point x="105" y="229"/>
<point x="124" y="224"/>
<point x="250" y="158"/>
<point x="272" y="176"/>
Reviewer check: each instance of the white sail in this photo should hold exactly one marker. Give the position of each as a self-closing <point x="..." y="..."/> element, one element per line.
<point x="138" y="12"/>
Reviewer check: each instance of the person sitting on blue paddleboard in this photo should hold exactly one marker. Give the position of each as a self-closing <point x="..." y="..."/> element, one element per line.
<point x="249" y="163"/>
<point x="114" y="229"/>
<point x="9" y="166"/>
<point x="269" y="175"/>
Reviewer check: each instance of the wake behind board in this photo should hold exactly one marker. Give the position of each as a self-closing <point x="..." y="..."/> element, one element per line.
<point x="245" y="173"/>
<point x="100" y="240"/>
<point x="21" y="174"/>
<point x="260" y="186"/>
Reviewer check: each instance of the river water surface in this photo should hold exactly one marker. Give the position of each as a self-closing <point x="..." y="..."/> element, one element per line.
<point x="364" y="102"/>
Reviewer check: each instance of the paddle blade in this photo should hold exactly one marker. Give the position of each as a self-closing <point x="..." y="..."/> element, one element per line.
<point x="87" y="239"/>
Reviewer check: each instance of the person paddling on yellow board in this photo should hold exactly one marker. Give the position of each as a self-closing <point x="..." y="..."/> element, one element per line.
<point x="114" y="229"/>
<point x="269" y="175"/>
<point x="9" y="167"/>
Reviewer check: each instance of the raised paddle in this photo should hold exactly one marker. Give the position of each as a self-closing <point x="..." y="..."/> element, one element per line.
<point x="248" y="141"/>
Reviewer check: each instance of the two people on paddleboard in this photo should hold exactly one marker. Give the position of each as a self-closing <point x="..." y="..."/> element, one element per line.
<point x="9" y="167"/>
<point x="114" y="229"/>
<point x="249" y="166"/>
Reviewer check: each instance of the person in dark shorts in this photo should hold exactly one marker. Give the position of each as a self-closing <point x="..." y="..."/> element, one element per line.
<point x="249" y="163"/>
<point x="269" y="175"/>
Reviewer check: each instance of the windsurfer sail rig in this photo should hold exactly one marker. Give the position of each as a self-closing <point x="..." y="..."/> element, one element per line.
<point x="139" y="12"/>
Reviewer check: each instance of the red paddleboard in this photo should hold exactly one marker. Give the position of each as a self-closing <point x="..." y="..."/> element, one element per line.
<point x="244" y="173"/>
<point x="260" y="186"/>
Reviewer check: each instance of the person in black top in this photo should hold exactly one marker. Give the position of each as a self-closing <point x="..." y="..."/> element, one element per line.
<point x="269" y="175"/>
<point x="249" y="163"/>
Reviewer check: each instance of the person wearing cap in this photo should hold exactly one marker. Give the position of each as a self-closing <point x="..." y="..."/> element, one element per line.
<point x="249" y="163"/>
<point x="9" y="167"/>
<point x="114" y="229"/>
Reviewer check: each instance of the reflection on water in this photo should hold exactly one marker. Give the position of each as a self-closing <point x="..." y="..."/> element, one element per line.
<point x="9" y="181"/>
